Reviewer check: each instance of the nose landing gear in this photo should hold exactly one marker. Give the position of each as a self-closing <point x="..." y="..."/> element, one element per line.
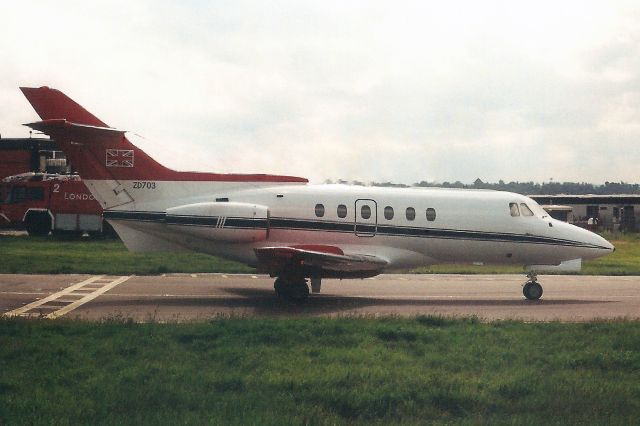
<point x="532" y="290"/>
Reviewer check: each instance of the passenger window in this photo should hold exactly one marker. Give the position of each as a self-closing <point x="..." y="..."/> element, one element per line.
<point x="431" y="214"/>
<point x="365" y="212"/>
<point x="388" y="212"/>
<point x="513" y="208"/>
<point x="319" y="210"/>
<point x="411" y="213"/>
<point x="526" y="211"/>
<point x="342" y="211"/>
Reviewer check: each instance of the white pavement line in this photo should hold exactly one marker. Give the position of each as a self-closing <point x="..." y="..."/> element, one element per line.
<point x="87" y="298"/>
<point x="51" y="297"/>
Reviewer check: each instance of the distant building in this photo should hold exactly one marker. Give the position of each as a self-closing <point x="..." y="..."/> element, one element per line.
<point x="607" y="212"/>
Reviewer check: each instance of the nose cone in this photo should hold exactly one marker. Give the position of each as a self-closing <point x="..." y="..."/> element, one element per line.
<point x="595" y="246"/>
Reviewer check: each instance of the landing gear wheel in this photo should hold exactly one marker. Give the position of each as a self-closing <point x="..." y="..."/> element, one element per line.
<point x="532" y="290"/>
<point x="280" y="287"/>
<point x="296" y="290"/>
<point x="299" y="291"/>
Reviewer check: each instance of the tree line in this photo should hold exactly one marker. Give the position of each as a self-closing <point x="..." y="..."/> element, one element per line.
<point x="528" y="188"/>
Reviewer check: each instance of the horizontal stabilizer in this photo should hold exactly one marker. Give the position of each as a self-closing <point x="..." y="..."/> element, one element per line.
<point x="64" y="130"/>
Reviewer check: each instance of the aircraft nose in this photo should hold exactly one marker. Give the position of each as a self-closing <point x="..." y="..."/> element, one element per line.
<point x="600" y="246"/>
<point x="606" y="244"/>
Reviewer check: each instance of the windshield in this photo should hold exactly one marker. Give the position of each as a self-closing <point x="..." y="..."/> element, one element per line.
<point x="537" y="210"/>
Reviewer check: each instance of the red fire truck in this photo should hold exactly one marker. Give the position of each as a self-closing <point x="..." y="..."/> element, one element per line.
<point x="42" y="203"/>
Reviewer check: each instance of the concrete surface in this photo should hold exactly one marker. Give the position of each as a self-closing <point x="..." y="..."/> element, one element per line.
<point x="180" y="297"/>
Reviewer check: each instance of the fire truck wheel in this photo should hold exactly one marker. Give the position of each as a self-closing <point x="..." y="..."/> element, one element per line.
<point x="38" y="223"/>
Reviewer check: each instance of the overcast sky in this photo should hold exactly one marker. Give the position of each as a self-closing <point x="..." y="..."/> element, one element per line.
<point x="372" y="90"/>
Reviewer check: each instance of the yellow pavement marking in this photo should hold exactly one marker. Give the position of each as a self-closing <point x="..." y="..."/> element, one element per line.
<point x="53" y="296"/>
<point x="75" y="290"/>
<point x="87" y="298"/>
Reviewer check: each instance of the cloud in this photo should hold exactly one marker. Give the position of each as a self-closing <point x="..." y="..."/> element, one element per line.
<point x="399" y="91"/>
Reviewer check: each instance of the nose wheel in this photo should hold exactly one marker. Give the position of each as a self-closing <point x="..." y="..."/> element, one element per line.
<point x="532" y="290"/>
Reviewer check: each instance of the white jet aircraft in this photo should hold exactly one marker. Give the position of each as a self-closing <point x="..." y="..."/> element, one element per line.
<point x="295" y="231"/>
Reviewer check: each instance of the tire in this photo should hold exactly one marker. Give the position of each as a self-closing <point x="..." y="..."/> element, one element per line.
<point x="38" y="224"/>
<point x="299" y="291"/>
<point x="532" y="291"/>
<point x="279" y="287"/>
<point x="296" y="291"/>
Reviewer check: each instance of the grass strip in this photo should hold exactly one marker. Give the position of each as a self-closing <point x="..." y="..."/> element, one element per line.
<point x="319" y="371"/>
<point x="58" y="255"/>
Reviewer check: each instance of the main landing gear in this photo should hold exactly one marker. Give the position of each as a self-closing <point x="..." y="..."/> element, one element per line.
<point x="532" y="290"/>
<point x="294" y="289"/>
<point x="293" y="286"/>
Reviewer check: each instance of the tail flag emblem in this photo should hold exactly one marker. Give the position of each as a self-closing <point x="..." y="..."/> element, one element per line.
<point x="119" y="158"/>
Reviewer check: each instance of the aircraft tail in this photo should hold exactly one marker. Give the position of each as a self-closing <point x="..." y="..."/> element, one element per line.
<point x="103" y="154"/>
<point x="51" y="104"/>
<point x="96" y="151"/>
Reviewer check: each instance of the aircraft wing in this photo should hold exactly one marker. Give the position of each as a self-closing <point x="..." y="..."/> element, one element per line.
<point x="330" y="261"/>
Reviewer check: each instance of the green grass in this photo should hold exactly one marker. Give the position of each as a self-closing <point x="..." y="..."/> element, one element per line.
<point x="319" y="371"/>
<point x="624" y="261"/>
<point x="57" y="255"/>
<point x="53" y="255"/>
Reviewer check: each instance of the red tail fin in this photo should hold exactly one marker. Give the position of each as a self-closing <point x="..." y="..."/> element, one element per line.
<point x="99" y="152"/>
<point x="51" y="104"/>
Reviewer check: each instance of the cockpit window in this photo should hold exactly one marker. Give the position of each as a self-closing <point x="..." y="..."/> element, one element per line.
<point x="526" y="211"/>
<point x="513" y="209"/>
<point x="537" y="210"/>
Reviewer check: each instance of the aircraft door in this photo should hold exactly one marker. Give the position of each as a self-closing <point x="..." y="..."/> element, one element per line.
<point x="366" y="218"/>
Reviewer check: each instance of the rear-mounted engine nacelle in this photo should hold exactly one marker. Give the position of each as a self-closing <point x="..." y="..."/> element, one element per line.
<point x="221" y="221"/>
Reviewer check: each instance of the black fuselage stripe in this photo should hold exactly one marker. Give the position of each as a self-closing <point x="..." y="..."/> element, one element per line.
<point x="339" y="227"/>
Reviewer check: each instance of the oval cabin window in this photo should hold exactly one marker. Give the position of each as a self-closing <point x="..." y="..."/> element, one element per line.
<point x="411" y="213"/>
<point x="319" y="210"/>
<point x="431" y="214"/>
<point x="365" y="212"/>
<point x="342" y="211"/>
<point x="388" y="212"/>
